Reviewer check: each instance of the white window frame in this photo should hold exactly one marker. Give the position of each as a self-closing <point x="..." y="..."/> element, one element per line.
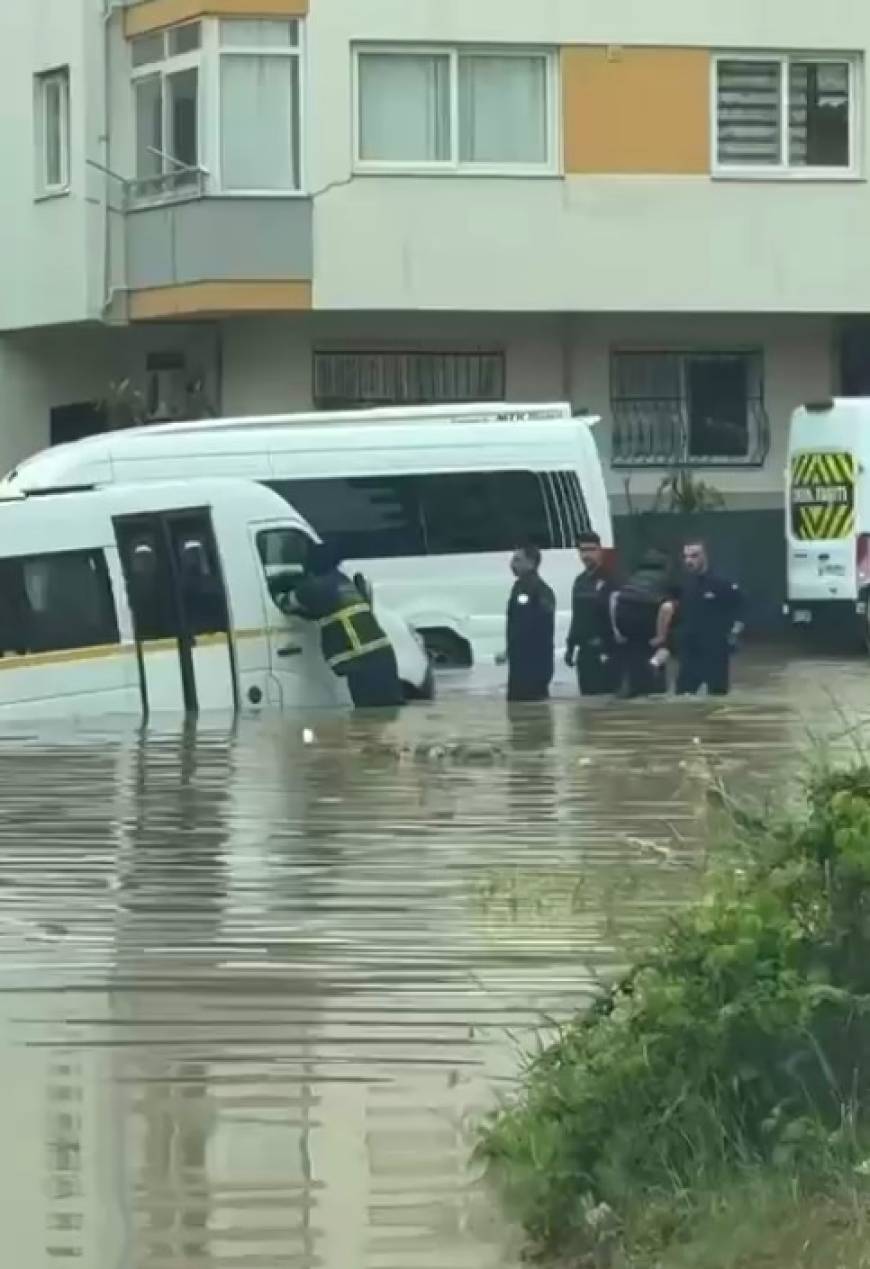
<point x="164" y="70"/>
<point x="58" y="75"/>
<point x="784" y="170"/>
<point x="220" y="51"/>
<point x="454" y="165"/>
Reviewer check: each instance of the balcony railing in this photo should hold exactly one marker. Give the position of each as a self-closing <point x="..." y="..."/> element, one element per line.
<point x="166" y="187"/>
<point x="656" y="432"/>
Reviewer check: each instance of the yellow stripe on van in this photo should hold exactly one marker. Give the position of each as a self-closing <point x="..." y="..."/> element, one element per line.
<point x="66" y="656"/>
<point x="823" y="496"/>
<point x="101" y="652"/>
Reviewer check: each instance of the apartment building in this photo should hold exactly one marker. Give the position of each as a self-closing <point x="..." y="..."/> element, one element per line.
<point x="659" y="211"/>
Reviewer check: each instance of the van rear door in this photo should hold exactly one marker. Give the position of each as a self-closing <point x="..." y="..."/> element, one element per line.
<point x="822" y="520"/>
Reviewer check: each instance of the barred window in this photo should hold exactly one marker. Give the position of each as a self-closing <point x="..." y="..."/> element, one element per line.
<point x="698" y="408"/>
<point x="350" y="380"/>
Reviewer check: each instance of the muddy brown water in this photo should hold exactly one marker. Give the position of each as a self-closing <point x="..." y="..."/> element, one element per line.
<point x="256" y="986"/>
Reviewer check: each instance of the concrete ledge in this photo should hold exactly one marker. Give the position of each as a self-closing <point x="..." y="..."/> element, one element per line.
<point x="219" y="299"/>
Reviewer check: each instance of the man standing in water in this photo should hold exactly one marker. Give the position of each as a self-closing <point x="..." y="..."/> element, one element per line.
<point x="531" y="629"/>
<point x="709" y="621"/>
<point x="591" y="644"/>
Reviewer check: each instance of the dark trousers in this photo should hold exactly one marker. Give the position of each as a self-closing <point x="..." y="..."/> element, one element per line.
<point x="373" y="680"/>
<point x="597" y="673"/>
<point x="523" y="687"/>
<point x="708" y="667"/>
<point x="639" y="678"/>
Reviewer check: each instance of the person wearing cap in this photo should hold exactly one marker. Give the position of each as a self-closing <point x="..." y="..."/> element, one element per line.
<point x="353" y="644"/>
<point x="591" y="647"/>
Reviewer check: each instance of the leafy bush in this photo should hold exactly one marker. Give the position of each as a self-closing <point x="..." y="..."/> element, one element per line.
<point x="740" y="1042"/>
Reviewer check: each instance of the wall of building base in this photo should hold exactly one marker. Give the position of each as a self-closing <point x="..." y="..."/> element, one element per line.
<point x="264" y="365"/>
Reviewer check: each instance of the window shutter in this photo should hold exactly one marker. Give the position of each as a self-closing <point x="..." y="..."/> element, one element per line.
<point x="749" y="113"/>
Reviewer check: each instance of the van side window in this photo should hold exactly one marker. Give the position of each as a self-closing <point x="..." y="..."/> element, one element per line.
<point x="56" y="603"/>
<point x="283" y="548"/>
<point x="466" y="512"/>
<point x="365" y="517"/>
<point x="570" y="505"/>
<point x="439" y="513"/>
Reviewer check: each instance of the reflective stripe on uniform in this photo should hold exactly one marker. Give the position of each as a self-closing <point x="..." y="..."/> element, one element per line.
<point x="363" y="650"/>
<point x="344" y="618"/>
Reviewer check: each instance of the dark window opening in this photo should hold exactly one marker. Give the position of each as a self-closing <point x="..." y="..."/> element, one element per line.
<point x="688" y="409"/>
<point x="55" y="603"/>
<point x="448" y="513"/>
<point x="69" y="423"/>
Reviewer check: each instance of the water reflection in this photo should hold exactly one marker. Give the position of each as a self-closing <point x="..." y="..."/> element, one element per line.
<point x="257" y="983"/>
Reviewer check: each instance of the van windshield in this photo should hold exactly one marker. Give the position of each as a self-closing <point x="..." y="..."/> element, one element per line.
<point x="442" y="513"/>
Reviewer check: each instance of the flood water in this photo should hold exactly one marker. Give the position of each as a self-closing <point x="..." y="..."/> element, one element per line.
<point x="256" y="986"/>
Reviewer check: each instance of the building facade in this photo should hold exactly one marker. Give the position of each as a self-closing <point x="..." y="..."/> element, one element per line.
<point x="659" y="212"/>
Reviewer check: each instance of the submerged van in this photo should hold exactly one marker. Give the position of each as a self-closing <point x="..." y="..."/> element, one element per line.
<point x="427" y="502"/>
<point x="828" y="517"/>
<point x="139" y="599"/>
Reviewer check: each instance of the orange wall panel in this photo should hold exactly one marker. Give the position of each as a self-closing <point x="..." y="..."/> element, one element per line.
<point x="636" y="110"/>
<point x="151" y="15"/>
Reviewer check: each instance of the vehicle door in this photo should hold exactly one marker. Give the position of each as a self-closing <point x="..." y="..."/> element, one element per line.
<point x="300" y="676"/>
<point x="178" y="600"/>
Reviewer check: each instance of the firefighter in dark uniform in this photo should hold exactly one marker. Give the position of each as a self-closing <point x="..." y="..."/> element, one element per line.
<point x="531" y="629"/>
<point x="591" y="644"/>
<point x="354" y="645"/>
<point x="642" y="610"/>
<point x="709" y="622"/>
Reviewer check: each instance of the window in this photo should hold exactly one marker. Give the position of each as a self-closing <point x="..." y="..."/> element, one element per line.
<point x="349" y="380"/>
<point x="678" y="408"/>
<point x="446" y="513"/>
<point x="467" y="512"/>
<point x="260" y="102"/>
<point x="283" y="549"/>
<point x="792" y="114"/>
<point x="219" y="98"/>
<point x="52" y="603"/>
<point x="457" y="108"/>
<point x="166" y="89"/>
<point x="52" y="131"/>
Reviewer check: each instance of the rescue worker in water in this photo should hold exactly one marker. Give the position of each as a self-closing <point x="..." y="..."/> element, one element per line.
<point x="531" y="629"/>
<point x="591" y="646"/>
<point x="354" y="645"/>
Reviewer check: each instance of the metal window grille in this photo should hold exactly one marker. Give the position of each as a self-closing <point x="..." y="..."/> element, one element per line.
<point x="692" y="409"/>
<point x="344" y="380"/>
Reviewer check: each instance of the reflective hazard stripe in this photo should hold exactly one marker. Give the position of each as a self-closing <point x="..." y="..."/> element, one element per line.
<point x="360" y="651"/>
<point x="816" y="514"/>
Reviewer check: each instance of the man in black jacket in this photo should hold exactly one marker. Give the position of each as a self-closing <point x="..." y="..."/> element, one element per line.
<point x="642" y="610"/>
<point x="531" y="629"/>
<point x="591" y="645"/>
<point x="709" y="622"/>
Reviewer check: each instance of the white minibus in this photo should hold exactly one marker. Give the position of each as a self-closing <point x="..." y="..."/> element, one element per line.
<point x="427" y="502"/>
<point x="137" y="599"/>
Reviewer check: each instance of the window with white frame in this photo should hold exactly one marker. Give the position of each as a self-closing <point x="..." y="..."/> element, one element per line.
<point x="51" y="100"/>
<point x="484" y="109"/>
<point x="260" y="105"/>
<point x="219" y="98"/>
<point x="688" y="408"/>
<point x="792" y="114"/>
<point x="166" y="88"/>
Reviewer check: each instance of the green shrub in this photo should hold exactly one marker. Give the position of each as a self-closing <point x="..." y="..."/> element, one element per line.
<point x="740" y="1042"/>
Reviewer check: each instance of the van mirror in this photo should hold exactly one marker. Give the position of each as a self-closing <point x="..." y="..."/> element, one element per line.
<point x="283" y="582"/>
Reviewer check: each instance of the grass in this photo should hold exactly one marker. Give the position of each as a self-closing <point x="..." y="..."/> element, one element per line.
<point x="713" y="1108"/>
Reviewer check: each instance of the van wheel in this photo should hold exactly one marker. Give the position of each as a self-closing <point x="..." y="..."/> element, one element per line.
<point x="447" y="650"/>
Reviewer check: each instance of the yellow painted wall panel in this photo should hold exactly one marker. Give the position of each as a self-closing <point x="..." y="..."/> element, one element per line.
<point x="636" y="110"/>
<point x="151" y="15"/>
